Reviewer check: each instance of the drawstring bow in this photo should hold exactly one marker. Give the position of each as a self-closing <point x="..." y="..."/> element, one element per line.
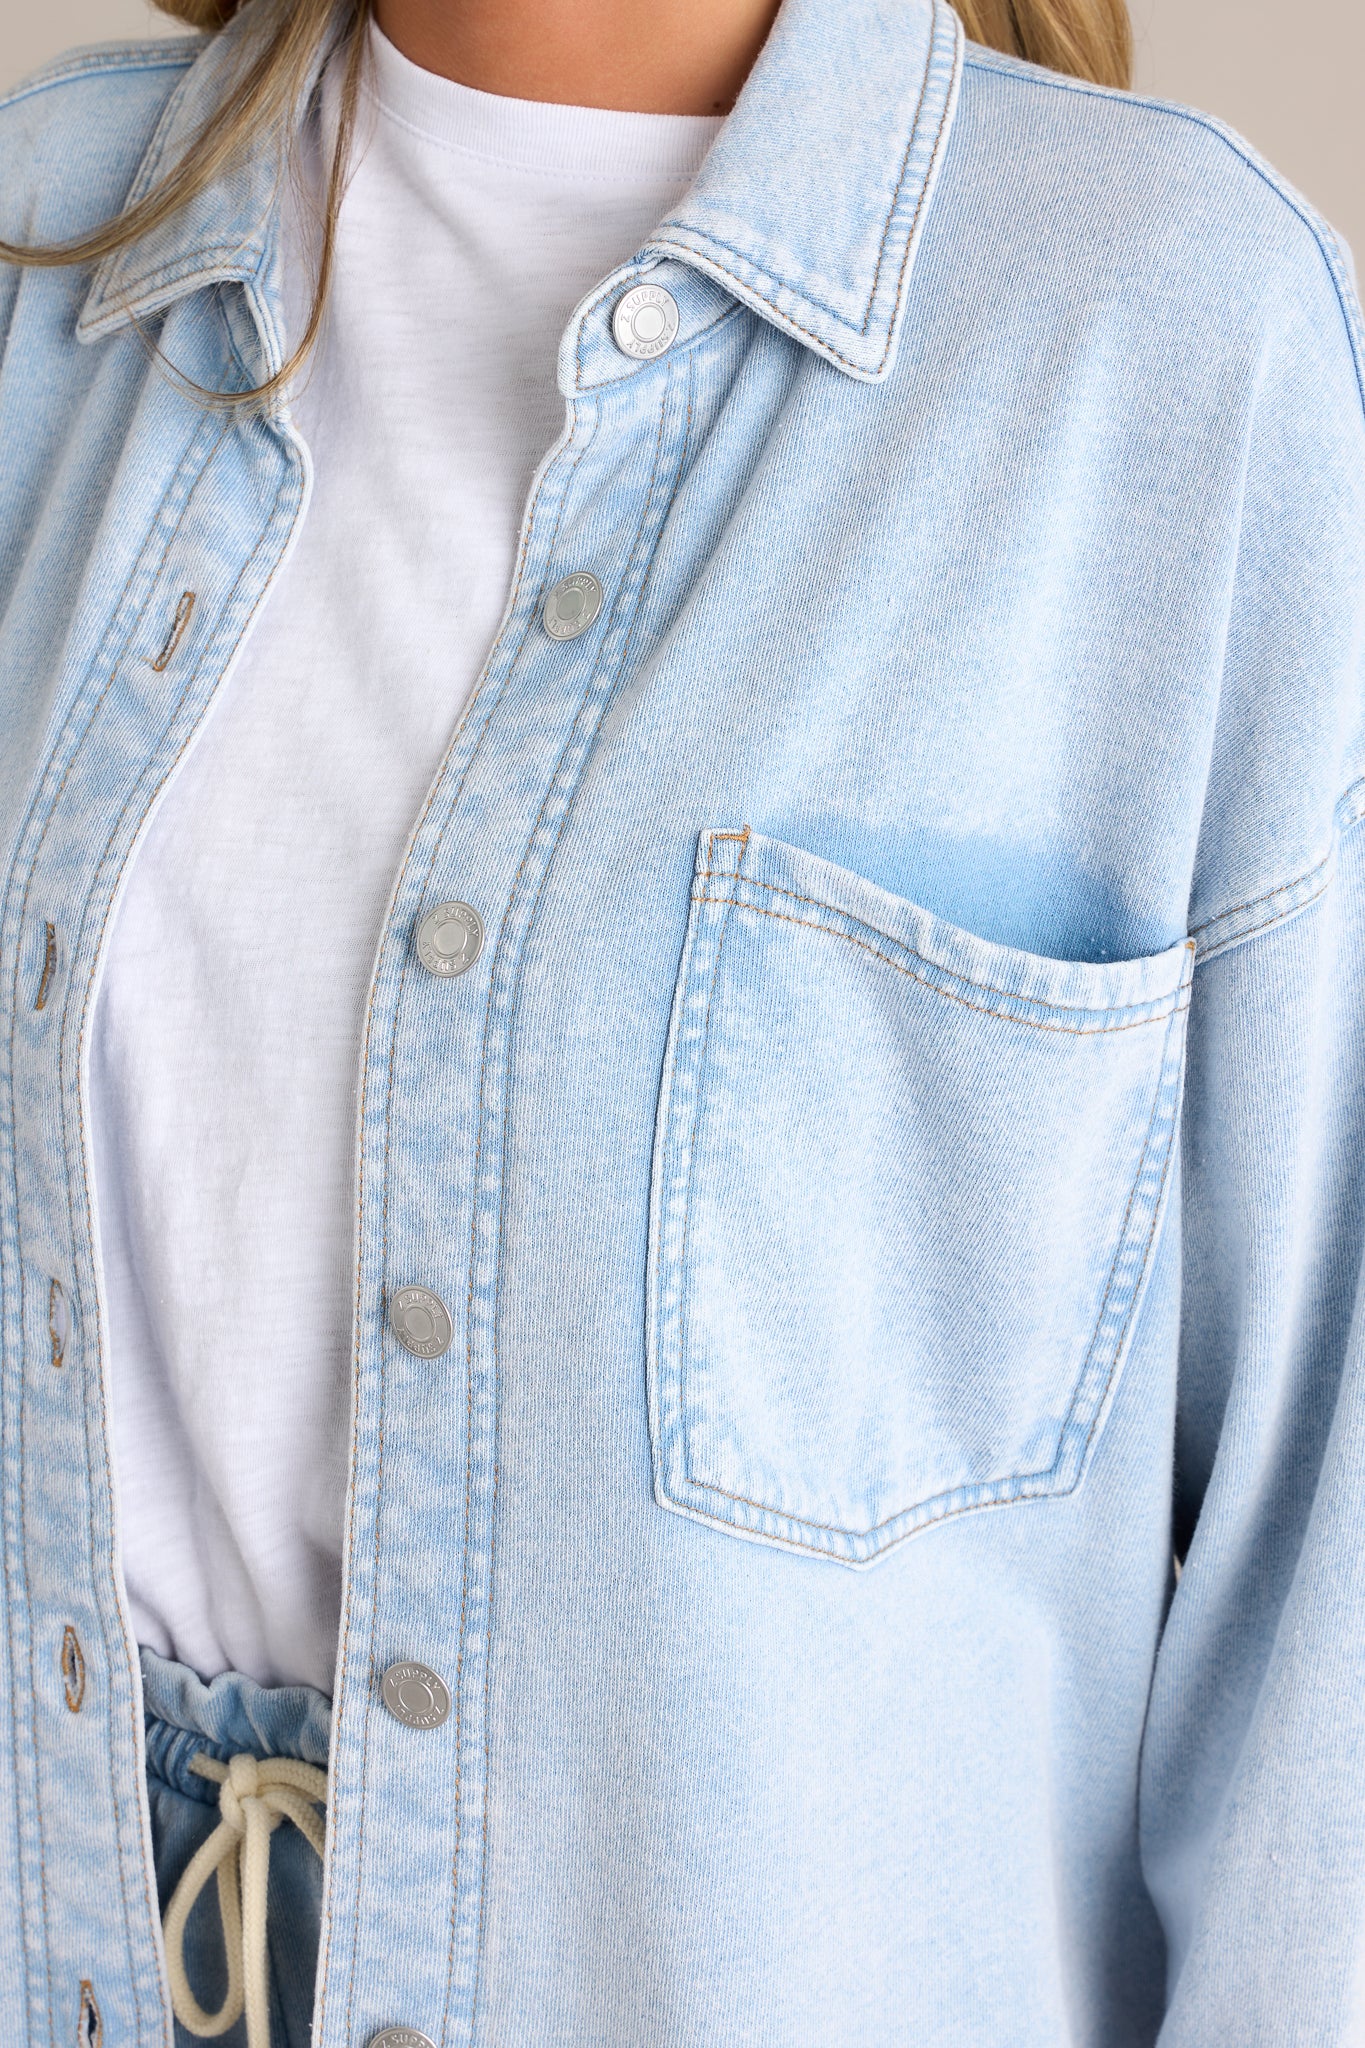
<point x="255" y="1795"/>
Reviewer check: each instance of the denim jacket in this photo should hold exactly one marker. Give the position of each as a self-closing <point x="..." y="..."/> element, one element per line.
<point x="895" y="1169"/>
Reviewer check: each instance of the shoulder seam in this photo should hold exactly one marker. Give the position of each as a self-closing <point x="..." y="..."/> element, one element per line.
<point x="979" y="58"/>
<point x="160" y="53"/>
<point x="1233" y="927"/>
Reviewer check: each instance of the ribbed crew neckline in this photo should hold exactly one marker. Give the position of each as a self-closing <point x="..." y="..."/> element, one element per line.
<point x="537" y="135"/>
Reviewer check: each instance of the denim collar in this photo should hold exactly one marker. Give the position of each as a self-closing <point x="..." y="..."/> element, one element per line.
<point x="809" y="206"/>
<point x="228" y="233"/>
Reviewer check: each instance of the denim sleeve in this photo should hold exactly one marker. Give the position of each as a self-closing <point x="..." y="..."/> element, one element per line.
<point x="1253" y="1790"/>
<point x="1253" y="1802"/>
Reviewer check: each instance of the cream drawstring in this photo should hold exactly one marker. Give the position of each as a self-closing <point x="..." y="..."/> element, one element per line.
<point x="257" y="1794"/>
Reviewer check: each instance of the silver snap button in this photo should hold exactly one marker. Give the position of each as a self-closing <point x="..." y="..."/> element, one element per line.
<point x="415" y="1695"/>
<point x="645" y="322"/>
<point x="400" y="2037"/>
<point x="420" y="1321"/>
<point x="572" y="605"/>
<point x="450" y="938"/>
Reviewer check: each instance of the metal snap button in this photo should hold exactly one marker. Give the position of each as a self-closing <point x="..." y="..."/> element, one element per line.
<point x="420" y="1321"/>
<point x="450" y="938"/>
<point x="400" y="2037"/>
<point x="572" y="605"/>
<point x="415" y="1695"/>
<point x="645" y="322"/>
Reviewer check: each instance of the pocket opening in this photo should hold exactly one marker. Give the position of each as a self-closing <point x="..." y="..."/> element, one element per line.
<point x="836" y="1384"/>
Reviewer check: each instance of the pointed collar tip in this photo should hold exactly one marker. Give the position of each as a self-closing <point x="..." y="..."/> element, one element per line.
<point x="812" y="203"/>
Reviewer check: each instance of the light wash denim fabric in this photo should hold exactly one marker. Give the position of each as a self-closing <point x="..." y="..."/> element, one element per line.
<point x="896" y="1166"/>
<point x="234" y="1716"/>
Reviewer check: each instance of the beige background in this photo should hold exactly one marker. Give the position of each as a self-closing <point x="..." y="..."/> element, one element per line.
<point x="1289" y="73"/>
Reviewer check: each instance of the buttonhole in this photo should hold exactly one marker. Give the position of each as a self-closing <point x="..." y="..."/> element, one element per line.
<point x="49" y="966"/>
<point x="58" y="1321"/>
<point x="90" y="2033"/>
<point x="176" y="633"/>
<point x="73" y="1670"/>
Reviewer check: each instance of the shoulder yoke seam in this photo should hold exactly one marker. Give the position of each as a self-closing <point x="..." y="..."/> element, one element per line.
<point x="154" y="54"/>
<point x="979" y="58"/>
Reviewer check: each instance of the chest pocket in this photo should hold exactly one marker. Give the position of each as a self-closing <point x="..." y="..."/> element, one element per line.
<point x="906" y="1186"/>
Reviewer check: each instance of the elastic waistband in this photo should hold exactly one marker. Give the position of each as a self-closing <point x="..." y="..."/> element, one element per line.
<point x="225" y="1716"/>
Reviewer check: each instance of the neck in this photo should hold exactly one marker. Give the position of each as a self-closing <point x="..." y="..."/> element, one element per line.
<point x="640" y="56"/>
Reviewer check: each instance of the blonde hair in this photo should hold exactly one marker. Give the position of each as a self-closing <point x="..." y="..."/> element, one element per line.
<point x="1085" y="38"/>
<point x="282" y="53"/>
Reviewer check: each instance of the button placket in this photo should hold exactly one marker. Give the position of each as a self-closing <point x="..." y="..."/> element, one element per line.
<point x="430" y="1171"/>
<point x="77" y="1730"/>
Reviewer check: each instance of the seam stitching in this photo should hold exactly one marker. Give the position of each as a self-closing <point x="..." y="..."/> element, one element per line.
<point x="469" y="1297"/>
<point x="953" y="973"/>
<point x="1225" y="943"/>
<point x="698" y="1066"/>
<point x="1031" y="1480"/>
<point x="185" y="473"/>
<point x="1157" y="1211"/>
<point x="789" y="319"/>
<point x="631" y="623"/>
<point x="677" y="350"/>
<point x="1349" y="811"/>
<point x="135" y="57"/>
<point x="1256" y="902"/>
<point x="498" y="649"/>
<point x="1028" y="1023"/>
<point x="82" y="1027"/>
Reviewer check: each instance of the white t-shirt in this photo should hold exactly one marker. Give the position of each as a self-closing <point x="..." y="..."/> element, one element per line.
<point x="226" y="1046"/>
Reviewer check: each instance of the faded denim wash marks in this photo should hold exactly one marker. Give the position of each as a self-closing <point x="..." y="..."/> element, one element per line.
<point x="836" y="1138"/>
<point x="825" y="1361"/>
